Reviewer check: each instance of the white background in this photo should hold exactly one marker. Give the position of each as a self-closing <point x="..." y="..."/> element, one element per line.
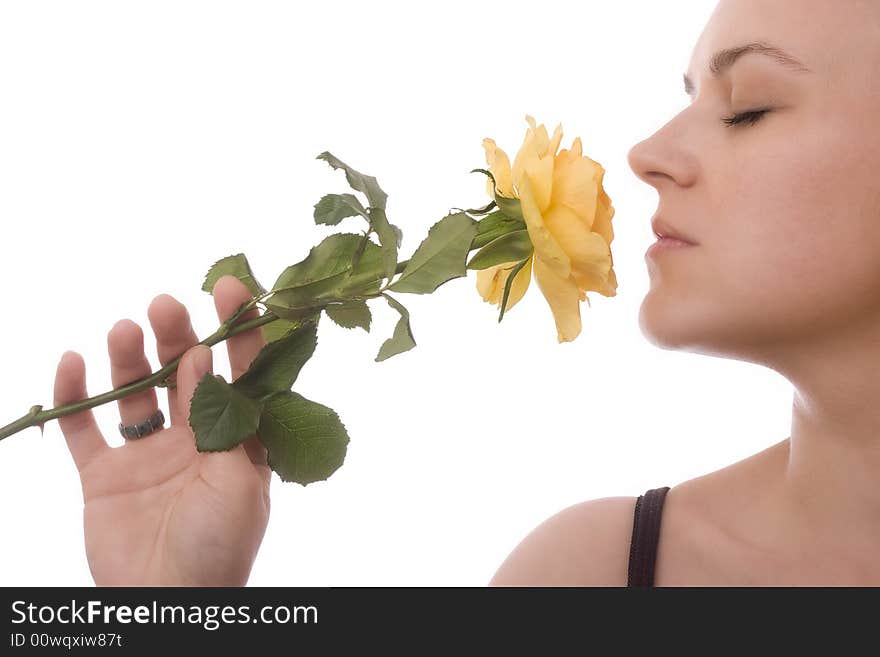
<point x="142" y="141"/>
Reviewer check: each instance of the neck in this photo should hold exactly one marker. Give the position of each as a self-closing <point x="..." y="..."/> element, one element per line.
<point x="831" y="483"/>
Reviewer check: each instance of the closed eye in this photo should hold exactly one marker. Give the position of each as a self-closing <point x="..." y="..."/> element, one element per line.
<point x="749" y="118"/>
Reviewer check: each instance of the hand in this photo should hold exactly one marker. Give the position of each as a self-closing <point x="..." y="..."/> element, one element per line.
<point x="158" y="512"/>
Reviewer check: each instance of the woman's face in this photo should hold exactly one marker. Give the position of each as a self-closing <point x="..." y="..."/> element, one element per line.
<point x="786" y="211"/>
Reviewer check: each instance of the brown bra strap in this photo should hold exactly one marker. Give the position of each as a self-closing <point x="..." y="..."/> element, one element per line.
<point x="645" y="536"/>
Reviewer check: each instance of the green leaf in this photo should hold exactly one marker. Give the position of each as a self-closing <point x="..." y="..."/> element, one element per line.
<point x="220" y="416"/>
<point x="327" y="274"/>
<point x="402" y="339"/>
<point x="330" y="257"/>
<point x="390" y="236"/>
<point x="305" y="441"/>
<point x="359" y="251"/>
<point x="333" y="208"/>
<point x="350" y="314"/>
<point x="494" y="226"/>
<point x="398" y="234"/>
<point x="365" y="277"/>
<point x="278" y="363"/>
<point x="293" y="316"/>
<point x="440" y="257"/>
<point x="510" y="207"/>
<point x="295" y="303"/>
<point x="358" y="181"/>
<point x="238" y="266"/>
<point x="281" y="327"/>
<point x="510" y="247"/>
<point x="507" y="286"/>
<point x="488" y="173"/>
<point x="484" y="210"/>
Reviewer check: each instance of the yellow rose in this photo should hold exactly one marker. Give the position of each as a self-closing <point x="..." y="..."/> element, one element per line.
<point x="568" y="216"/>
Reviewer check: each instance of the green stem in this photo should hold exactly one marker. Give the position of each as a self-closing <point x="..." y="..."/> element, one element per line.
<point x="36" y="416"/>
<point x="400" y="267"/>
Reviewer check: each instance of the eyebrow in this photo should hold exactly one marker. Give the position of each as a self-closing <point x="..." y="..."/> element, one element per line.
<point x="723" y="59"/>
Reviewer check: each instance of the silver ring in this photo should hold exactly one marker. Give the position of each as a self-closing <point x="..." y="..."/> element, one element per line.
<point x="141" y="429"/>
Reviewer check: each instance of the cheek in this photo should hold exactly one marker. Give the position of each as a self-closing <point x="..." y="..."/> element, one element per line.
<point x="806" y="247"/>
<point x="791" y="247"/>
<point x="808" y="283"/>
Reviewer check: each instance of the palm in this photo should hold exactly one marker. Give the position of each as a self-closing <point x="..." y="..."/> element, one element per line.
<point x="156" y="510"/>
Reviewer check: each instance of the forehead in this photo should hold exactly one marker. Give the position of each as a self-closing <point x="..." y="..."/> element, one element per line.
<point x="826" y="35"/>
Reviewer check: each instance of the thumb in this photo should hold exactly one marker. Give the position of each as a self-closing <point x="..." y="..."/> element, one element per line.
<point x="195" y="363"/>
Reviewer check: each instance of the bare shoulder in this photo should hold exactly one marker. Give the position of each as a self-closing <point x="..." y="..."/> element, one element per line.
<point x="705" y="538"/>
<point x="586" y="544"/>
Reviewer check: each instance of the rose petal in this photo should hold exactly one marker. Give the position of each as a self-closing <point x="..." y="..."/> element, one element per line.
<point x="586" y="250"/>
<point x="546" y="246"/>
<point x="563" y="297"/>
<point x="540" y="173"/>
<point x="526" y="158"/>
<point x="555" y="140"/>
<point x="491" y="282"/>
<point x="590" y="280"/>
<point x="602" y="222"/>
<point x="574" y="186"/>
<point x="499" y="165"/>
<point x="537" y="136"/>
<point x="535" y="157"/>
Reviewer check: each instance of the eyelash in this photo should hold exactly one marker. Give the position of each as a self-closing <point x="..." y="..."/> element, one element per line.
<point x="749" y="118"/>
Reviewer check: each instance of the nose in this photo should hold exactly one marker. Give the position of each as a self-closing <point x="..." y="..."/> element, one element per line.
<point x="664" y="156"/>
<point x="649" y="162"/>
<point x="638" y="159"/>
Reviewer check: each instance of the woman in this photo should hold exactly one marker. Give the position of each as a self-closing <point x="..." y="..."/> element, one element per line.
<point x="771" y="172"/>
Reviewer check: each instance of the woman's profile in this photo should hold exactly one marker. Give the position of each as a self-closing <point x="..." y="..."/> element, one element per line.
<point x="771" y="174"/>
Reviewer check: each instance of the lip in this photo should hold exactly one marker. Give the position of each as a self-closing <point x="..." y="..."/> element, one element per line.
<point x="666" y="244"/>
<point x="664" y="230"/>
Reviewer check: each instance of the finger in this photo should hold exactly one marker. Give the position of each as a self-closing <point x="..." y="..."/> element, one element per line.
<point x="195" y="363"/>
<point x="128" y="363"/>
<point x="229" y="294"/>
<point x="174" y="335"/>
<point x="81" y="432"/>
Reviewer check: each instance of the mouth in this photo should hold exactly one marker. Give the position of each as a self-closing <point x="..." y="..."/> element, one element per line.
<point x="665" y="231"/>
<point x="667" y="245"/>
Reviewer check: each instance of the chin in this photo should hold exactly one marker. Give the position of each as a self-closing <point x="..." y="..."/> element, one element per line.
<point x="663" y="323"/>
<point x="683" y="324"/>
<point x="711" y="330"/>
